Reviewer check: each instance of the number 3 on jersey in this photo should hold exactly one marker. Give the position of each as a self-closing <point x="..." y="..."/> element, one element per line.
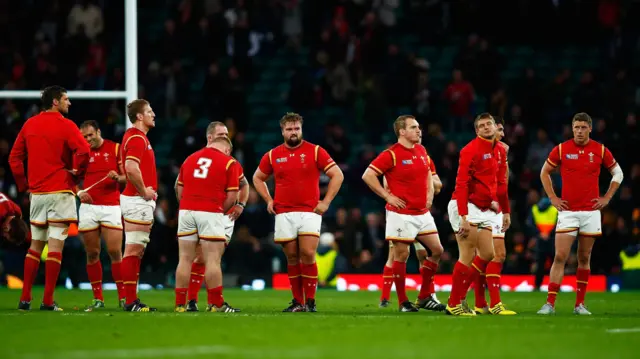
<point x="203" y="171"/>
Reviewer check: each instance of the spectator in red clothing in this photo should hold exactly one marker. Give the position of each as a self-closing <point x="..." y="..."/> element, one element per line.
<point x="460" y="95"/>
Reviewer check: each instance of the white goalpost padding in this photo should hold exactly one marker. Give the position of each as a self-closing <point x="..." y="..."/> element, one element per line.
<point x="131" y="67"/>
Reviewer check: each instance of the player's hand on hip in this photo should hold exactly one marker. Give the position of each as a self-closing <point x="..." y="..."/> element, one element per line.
<point x="149" y="194"/>
<point x="85" y="197"/>
<point x="600" y="203"/>
<point x="270" y="208"/>
<point x="506" y="222"/>
<point x="465" y="228"/>
<point x="113" y="175"/>
<point x="559" y="203"/>
<point x="235" y="212"/>
<point x="495" y="206"/>
<point x="321" y="208"/>
<point x="396" y="202"/>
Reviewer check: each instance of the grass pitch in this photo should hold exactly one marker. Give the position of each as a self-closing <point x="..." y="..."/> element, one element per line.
<point x="348" y="324"/>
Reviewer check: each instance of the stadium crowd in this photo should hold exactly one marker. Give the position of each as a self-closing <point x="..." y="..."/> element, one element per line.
<point x="354" y="63"/>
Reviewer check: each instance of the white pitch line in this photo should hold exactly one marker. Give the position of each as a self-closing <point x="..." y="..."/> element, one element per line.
<point x="624" y="330"/>
<point x="177" y="352"/>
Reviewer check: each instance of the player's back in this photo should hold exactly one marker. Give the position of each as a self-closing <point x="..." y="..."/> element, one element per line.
<point x="203" y="176"/>
<point x="50" y="157"/>
<point x="102" y="160"/>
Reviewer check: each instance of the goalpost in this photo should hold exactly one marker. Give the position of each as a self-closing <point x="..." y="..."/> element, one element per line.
<point x="131" y="67"/>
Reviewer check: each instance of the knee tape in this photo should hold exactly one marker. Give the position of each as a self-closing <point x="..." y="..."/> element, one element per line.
<point x="137" y="237"/>
<point x="38" y="233"/>
<point x="59" y="233"/>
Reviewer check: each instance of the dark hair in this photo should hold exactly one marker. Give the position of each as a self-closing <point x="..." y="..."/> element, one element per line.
<point x="482" y="116"/>
<point x="134" y="108"/>
<point x="582" y="117"/>
<point x="90" y="123"/>
<point x="51" y="93"/>
<point x="401" y="123"/>
<point x="290" y="117"/>
<point x="499" y="120"/>
<point x="18" y="230"/>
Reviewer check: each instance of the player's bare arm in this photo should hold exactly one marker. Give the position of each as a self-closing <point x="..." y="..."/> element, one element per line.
<point x="545" y="177"/>
<point x="243" y="197"/>
<point x="259" y="182"/>
<point x="230" y="201"/>
<point x="616" y="180"/>
<point x="370" y="177"/>
<point x="437" y="183"/>
<point x="178" y="188"/>
<point x="335" y="182"/>
<point x="430" y="189"/>
<point x="132" y="169"/>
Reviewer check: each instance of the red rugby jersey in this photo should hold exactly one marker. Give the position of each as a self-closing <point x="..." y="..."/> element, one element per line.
<point x="477" y="178"/>
<point x="102" y="160"/>
<point x="136" y="147"/>
<point x="8" y="208"/>
<point x="206" y="176"/>
<point x="52" y="146"/>
<point x="406" y="171"/>
<point x="296" y="173"/>
<point x="580" y="171"/>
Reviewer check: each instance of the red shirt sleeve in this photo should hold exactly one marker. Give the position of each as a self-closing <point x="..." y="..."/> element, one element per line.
<point x="79" y="147"/>
<point x="134" y="148"/>
<point x="503" y="190"/>
<point x="16" y="162"/>
<point x="555" y="157"/>
<point x="324" y="162"/>
<point x="432" y="166"/>
<point x="607" y="158"/>
<point x="265" y="164"/>
<point x="15" y="209"/>
<point x="234" y="171"/>
<point x="384" y="162"/>
<point x="462" y="180"/>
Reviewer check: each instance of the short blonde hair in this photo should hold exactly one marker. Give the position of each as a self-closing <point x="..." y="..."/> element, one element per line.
<point x="401" y="123"/>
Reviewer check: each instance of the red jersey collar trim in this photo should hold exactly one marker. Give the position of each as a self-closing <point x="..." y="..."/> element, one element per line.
<point x="579" y="145"/>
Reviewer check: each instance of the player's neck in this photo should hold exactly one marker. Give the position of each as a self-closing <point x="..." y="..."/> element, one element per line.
<point x="100" y="143"/>
<point x="53" y="110"/>
<point x="406" y="143"/>
<point x="583" y="143"/>
<point x="141" y="127"/>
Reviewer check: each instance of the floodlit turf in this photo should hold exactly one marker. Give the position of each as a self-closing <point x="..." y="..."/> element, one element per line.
<point x="348" y="324"/>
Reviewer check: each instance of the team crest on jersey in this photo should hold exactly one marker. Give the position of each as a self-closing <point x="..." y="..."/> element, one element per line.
<point x="407" y="162"/>
<point x="572" y="156"/>
<point x="302" y="156"/>
<point x="424" y="160"/>
<point x="591" y="157"/>
<point x="281" y="160"/>
<point x="486" y="156"/>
